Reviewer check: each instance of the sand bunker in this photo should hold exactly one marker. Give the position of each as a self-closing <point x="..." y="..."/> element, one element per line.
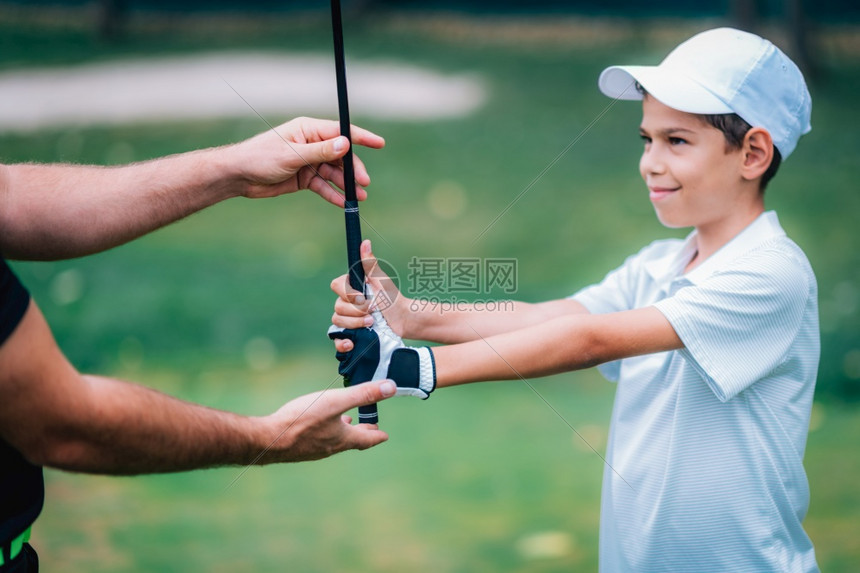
<point x="210" y="85"/>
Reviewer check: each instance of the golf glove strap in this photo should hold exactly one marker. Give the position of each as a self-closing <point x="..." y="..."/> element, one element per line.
<point x="413" y="370"/>
<point x="379" y="348"/>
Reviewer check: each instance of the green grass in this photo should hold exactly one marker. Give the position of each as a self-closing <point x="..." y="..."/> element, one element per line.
<point x="459" y="484"/>
<point x="471" y="476"/>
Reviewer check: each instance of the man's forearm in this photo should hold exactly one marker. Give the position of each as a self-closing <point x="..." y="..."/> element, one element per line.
<point x="118" y="427"/>
<point x="62" y="211"/>
<point x="57" y="417"/>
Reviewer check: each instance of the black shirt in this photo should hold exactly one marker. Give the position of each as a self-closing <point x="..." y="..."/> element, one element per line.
<point x="22" y="487"/>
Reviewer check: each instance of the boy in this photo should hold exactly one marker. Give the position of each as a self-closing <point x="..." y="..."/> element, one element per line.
<point x="713" y="341"/>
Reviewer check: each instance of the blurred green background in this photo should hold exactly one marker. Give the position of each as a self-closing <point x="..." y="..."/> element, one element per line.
<point x="229" y="307"/>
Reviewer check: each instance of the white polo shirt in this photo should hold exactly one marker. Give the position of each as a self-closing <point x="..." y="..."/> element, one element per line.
<point x="709" y="440"/>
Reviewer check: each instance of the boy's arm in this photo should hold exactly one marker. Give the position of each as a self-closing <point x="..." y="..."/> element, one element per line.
<point x="62" y="211"/>
<point x="57" y="417"/>
<point x="570" y="342"/>
<point x="417" y="319"/>
<point x="566" y="343"/>
<point x="469" y="322"/>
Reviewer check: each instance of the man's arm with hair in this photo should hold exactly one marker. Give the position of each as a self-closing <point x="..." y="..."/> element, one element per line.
<point x="61" y="211"/>
<point x="57" y="417"/>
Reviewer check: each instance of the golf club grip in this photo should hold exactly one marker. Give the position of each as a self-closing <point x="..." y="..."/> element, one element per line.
<point x="353" y="245"/>
<point x="366" y="414"/>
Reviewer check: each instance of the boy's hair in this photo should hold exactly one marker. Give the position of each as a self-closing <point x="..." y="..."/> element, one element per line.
<point x="734" y="129"/>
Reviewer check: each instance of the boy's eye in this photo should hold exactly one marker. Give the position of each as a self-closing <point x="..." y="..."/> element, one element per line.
<point x="676" y="141"/>
<point x="645" y="138"/>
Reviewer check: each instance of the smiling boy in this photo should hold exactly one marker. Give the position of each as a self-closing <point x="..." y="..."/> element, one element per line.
<point x="713" y="340"/>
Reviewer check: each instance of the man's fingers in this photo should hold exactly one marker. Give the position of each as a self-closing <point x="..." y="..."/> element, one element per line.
<point x="327" y="174"/>
<point x="364" y="436"/>
<point x="333" y="173"/>
<point x="361" y="136"/>
<point x="361" y="175"/>
<point x="302" y="129"/>
<point x="321" y="129"/>
<point x="324" y="190"/>
<point x="345" y="399"/>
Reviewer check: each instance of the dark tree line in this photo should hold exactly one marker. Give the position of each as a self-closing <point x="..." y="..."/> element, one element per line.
<point x="748" y="15"/>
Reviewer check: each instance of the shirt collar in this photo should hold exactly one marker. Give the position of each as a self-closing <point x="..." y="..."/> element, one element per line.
<point x="671" y="266"/>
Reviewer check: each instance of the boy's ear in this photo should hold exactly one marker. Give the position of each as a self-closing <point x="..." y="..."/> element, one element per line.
<point x="757" y="153"/>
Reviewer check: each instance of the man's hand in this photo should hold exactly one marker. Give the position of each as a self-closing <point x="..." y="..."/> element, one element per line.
<point x="304" y="153"/>
<point x="57" y="417"/>
<point x="59" y="211"/>
<point x="314" y="426"/>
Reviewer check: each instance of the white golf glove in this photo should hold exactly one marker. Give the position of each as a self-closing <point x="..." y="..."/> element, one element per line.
<point x="378" y="352"/>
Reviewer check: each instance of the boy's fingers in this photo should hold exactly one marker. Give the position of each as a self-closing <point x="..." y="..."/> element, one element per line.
<point x="354" y="322"/>
<point x="369" y="262"/>
<point x="344" y="290"/>
<point x="349" y="309"/>
<point x="384" y="289"/>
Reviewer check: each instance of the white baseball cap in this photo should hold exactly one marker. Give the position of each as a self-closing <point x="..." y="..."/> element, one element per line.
<point x="724" y="71"/>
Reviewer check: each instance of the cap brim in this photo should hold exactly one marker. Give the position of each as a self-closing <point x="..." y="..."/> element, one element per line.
<point x="669" y="87"/>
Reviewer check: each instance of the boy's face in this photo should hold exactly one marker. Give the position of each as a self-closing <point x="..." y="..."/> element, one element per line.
<point x="694" y="180"/>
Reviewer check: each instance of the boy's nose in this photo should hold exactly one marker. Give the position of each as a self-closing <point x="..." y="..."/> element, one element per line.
<point x="651" y="163"/>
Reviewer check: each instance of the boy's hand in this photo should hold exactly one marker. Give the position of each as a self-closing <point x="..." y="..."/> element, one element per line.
<point x="366" y="344"/>
<point x="378" y="351"/>
<point x="353" y="310"/>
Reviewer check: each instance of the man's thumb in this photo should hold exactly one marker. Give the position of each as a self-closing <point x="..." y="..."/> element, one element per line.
<point x="339" y="145"/>
<point x="370" y="392"/>
<point x="325" y="151"/>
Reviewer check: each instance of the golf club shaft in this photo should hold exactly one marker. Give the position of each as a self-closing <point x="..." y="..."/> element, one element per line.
<point x="353" y="222"/>
<point x="366" y="414"/>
